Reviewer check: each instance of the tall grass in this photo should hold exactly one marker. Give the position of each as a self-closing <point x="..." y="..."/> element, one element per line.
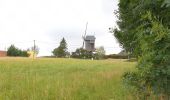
<point x="62" y="79"/>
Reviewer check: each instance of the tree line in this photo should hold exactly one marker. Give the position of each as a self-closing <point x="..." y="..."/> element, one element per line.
<point x="16" y="52"/>
<point x="61" y="52"/>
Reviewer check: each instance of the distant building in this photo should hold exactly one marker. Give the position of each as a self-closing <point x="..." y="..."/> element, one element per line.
<point x="90" y="43"/>
<point x="3" y="53"/>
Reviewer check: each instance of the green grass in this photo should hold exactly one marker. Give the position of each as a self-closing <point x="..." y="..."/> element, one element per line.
<point x="62" y="79"/>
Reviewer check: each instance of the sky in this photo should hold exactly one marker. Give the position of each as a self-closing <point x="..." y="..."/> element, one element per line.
<point x="48" y="21"/>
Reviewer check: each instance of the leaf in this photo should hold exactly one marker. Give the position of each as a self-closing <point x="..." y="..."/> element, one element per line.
<point x="166" y="3"/>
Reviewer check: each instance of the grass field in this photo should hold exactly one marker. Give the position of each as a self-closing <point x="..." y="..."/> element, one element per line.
<point x="62" y="79"/>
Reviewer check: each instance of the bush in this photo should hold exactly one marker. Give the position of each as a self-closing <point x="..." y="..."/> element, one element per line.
<point x="82" y="54"/>
<point x="100" y="53"/>
<point x="116" y="56"/>
<point x="14" y="51"/>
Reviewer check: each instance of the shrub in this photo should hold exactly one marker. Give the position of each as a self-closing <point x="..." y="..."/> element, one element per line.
<point x="14" y="51"/>
<point x="82" y="54"/>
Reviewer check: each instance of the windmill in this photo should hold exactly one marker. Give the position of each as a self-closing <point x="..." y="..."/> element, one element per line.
<point x="88" y="41"/>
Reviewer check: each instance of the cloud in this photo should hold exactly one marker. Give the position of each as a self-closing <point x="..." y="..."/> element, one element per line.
<point x="50" y="20"/>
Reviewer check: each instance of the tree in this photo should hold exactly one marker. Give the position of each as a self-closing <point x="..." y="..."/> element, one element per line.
<point x="14" y="51"/>
<point x="100" y="53"/>
<point x="61" y="51"/>
<point x="144" y="31"/>
<point x="82" y="54"/>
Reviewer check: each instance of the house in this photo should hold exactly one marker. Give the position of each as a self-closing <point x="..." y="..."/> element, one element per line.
<point x="90" y="43"/>
<point x="3" y="53"/>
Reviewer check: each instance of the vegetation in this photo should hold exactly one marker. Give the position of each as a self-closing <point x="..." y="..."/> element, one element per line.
<point x="61" y="51"/>
<point x="116" y="56"/>
<point x="100" y="53"/>
<point x="144" y="31"/>
<point x="14" y="51"/>
<point x="82" y="54"/>
<point x="63" y="79"/>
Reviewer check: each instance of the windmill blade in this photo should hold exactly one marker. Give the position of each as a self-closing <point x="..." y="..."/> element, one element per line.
<point x="83" y="41"/>
<point x="84" y="35"/>
<point x="85" y="30"/>
<point x="83" y="44"/>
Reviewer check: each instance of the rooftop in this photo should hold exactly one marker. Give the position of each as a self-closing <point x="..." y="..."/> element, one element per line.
<point x="90" y="37"/>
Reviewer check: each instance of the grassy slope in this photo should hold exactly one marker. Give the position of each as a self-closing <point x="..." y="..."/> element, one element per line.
<point x="62" y="79"/>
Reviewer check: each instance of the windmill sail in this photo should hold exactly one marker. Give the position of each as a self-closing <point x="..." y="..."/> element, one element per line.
<point x="85" y="35"/>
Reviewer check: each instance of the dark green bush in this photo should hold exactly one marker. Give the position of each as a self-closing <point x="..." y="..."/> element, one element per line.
<point x="82" y="54"/>
<point x="116" y="56"/>
<point x="14" y="51"/>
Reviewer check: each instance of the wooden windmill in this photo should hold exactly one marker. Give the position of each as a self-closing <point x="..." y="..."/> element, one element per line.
<point x="88" y="41"/>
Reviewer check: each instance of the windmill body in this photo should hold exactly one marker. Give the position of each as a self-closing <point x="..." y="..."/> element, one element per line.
<point x="89" y="43"/>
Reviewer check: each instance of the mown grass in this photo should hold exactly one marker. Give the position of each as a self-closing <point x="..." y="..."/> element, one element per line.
<point x="62" y="79"/>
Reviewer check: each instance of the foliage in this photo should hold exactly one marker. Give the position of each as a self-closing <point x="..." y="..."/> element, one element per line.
<point x="85" y="54"/>
<point x="144" y="31"/>
<point x="82" y="54"/>
<point x="100" y="53"/>
<point x="61" y="51"/>
<point x="116" y="56"/>
<point x="14" y="51"/>
<point x="123" y="52"/>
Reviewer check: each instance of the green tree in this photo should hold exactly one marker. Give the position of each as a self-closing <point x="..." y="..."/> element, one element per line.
<point x="82" y="54"/>
<point x="144" y="31"/>
<point x="61" y="51"/>
<point x="100" y="53"/>
<point x="14" y="51"/>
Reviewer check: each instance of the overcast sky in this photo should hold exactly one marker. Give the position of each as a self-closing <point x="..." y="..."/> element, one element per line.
<point x="47" y="21"/>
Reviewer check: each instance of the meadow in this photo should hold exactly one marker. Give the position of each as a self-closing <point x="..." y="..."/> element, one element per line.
<point x="63" y="79"/>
